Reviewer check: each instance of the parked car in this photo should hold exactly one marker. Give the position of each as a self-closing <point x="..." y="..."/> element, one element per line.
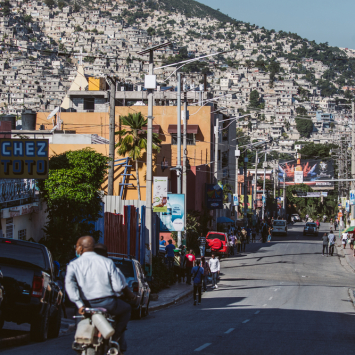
<point x="217" y="242"/>
<point x="310" y="228"/>
<point x="32" y="294"/>
<point x="132" y="270"/>
<point x="279" y="227"/>
<point x="296" y="217"/>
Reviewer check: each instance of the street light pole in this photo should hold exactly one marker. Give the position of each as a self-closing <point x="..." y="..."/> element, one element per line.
<point x="237" y="155"/>
<point x="178" y="165"/>
<point x="216" y="135"/>
<point x="184" y="168"/>
<point x="245" y="188"/>
<point x="264" y="197"/>
<point x="353" y="159"/>
<point x="284" y="196"/>
<point x="256" y="180"/>
<point x="111" y="171"/>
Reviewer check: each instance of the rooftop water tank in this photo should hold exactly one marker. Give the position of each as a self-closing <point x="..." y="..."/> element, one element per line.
<point x="28" y="118"/>
<point x="11" y="118"/>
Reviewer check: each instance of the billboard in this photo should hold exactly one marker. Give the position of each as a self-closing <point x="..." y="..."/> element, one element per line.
<point x="308" y="172"/>
<point x="160" y="194"/>
<point x="173" y="219"/>
<point x="249" y="203"/>
<point x="23" y="158"/>
<point x="214" y="196"/>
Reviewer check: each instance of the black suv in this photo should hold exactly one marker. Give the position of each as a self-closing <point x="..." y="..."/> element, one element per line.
<point x="132" y="270"/>
<point x="31" y="293"/>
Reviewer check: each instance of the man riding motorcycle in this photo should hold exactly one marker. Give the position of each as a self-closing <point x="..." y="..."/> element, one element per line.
<point x="94" y="281"/>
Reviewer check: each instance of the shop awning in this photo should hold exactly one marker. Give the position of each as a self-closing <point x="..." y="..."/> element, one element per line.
<point x="190" y="128"/>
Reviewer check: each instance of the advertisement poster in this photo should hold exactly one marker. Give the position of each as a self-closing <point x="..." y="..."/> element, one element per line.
<point x="347" y="206"/>
<point x="352" y="197"/>
<point x="249" y="202"/>
<point x="173" y="219"/>
<point x="160" y="194"/>
<point x="214" y="196"/>
<point x="343" y="202"/>
<point x="235" y="200"/>
<point x="309" y="172"/>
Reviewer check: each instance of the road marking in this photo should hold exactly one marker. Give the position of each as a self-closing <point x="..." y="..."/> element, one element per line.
<point x="257" y="312"/>
<point x="264" y="305"/>
<point x="303" y="276"/>
<point x="204" y="346"/>
<point x="270" y="298"/>
<point x="246" y="321"/>
<point x="229" y="331"/>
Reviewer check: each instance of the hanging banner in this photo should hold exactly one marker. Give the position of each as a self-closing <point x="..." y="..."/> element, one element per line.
<point x="24" y="158"/>
<point x="173" y="219"/>
<point x="214" y="196"/>
<point x="343" y="202"/>
<point x="160" y="194"/>
<point x="352" y="197"/>
<point x="347" y="206"/>
<point x="249" y="203"/>
<point x="235" y="200"/>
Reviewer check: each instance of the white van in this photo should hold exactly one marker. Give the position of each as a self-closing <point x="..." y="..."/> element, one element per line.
<point x="279" y="227"/>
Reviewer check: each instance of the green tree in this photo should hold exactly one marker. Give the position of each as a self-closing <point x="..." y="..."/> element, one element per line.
<point x="151" y="31"/>
<point x="301" y="111"/>
<point x="49" y="3"/>
<point x="61" y="4"/>
<point x="304" y="127"/>
<point x="317" y="151"/>
<point x="254" y="99"/>
<point x="73" y="196"/>
<point x="77" y="29"/>
<point x="133" y="140"/>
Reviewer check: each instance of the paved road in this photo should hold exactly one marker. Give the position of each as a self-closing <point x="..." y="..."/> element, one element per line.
<point x="282" y="297"/>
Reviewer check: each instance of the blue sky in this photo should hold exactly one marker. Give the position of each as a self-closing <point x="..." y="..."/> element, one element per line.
<point x="320" y="20"/>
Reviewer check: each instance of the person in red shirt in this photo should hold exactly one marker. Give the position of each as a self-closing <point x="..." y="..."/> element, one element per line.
<point x="189" y="262"/>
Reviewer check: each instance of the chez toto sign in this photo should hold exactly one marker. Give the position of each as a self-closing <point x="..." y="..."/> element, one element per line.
<point x="23" y="158"/>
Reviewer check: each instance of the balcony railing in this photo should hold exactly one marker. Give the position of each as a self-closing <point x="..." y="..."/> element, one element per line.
<point x="16" y="189"/>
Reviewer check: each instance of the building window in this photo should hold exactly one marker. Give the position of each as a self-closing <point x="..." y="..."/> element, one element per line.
<point x="225" y="159"/>
<point x="190" y="139"/>
<point x="9" y="227"/>
<point x="22" y="234"/>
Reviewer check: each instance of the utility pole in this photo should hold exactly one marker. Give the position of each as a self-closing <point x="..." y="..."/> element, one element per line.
<point x="112" y="124"/>
<point x="216" y="136"/>
<point x="237" y="155"/>
<point x="178" y="165"/>
<point x="353" y="159"/>
<point x="264" y="197"/>
<point x="184" y="167"/>
<point x="256" y="180"/>
<point x="245" y="188"/>
<point x="284" y="196"/>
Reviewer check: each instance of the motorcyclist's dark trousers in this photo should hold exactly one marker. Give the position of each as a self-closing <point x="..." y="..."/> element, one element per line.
<point x="118" y="309"/>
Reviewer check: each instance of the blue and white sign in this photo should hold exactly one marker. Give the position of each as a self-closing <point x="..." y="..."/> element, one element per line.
<point x="235" y="200"/>
<point x="352" y="197"/>
<point x="263" y="198"/>
<point x="347" y="206"/>
<point x="173" y="219"/>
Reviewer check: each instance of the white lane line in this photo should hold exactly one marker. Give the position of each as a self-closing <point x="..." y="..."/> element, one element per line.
<point x="264" y="305"/>
<point x="270" y="298"/>
<point x="229" y="331"/>
<point x="204" y="346"/>
<point x="246" y="321"/>
<point x="257" y="312"/>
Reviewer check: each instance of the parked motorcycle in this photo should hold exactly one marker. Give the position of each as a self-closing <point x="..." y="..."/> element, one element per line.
<point x="94" y="333"/>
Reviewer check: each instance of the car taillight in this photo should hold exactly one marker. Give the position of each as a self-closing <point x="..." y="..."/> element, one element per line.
<point x="37" y="286"/>
<point x="135" y="287"/>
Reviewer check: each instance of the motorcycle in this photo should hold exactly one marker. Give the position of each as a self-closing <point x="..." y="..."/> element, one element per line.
<point x="94" y="333"/>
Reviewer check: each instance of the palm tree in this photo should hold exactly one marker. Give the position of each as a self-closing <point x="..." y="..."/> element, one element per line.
<point x="133" y="139"/>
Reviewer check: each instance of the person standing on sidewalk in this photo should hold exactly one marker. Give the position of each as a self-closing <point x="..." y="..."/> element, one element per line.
<point x="325" y="243"/>
<point x="197" y="275"/>
<point x="317" y="224"/>
<point x="331" y="238"/>
<point x="206" y="271"/>
<point x="344" y="239"/>
<point x="169" y="249"/>
<point x="189" y="262"/>
<point x="335" y="224"/>
<point x="215" y="268"/>
<point x="202" y="246"/>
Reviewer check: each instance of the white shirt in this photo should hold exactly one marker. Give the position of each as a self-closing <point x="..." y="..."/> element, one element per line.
<point x="214" y="265"/>
<point x="345" y="236"/>
<point x="93" y="276"/>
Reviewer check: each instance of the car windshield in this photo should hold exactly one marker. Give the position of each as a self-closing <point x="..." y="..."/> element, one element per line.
<point x="27" y="253"/>
<point x="216" y="236"/>
<point x="280" y="223"/>
<point x="311" y="225"/>
<point x="126" y="267"/>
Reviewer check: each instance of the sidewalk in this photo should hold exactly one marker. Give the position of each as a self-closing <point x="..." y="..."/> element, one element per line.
<point x="347" y="253"/>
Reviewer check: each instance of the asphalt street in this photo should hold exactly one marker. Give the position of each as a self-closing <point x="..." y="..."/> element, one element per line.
<point x="282" y="297"/>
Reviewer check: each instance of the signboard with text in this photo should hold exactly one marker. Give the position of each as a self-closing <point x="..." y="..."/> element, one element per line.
<point x="160" y="195"/>
<point x="173" y="219"/>
<point x="214" y="196"/>
<point x="23" y="158"/>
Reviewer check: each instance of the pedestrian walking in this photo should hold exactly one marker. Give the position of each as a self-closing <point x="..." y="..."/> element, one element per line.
<point x="215" y="268"/>
<point x="202" y="244"/>
<point x="344" y="239"/>
<point x="335" y="224"/>
<point x="317" y="224"/>
<point x="206" y="271"/>
<point x="169" y="249"/>
<point x="331" y="238"/>
<point x="189" y="262"/>
<point x="269" y="235"/>
<point x="239" y="242"/>
<point x="243" y="239"/>
<point x="325" y="243"/>
<point x="253" y="235"/>
<point x="197" y="275"/>
<point x="231" y="244"/>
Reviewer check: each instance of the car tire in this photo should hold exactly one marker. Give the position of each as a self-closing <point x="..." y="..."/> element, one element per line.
<point x="39" y="327"/>
<point x="137" y="313"/>
<point x="55" y="320"/>
<point x="146" y="310"/>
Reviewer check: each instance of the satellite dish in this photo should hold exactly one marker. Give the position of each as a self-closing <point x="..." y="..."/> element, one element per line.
<point x="53" y="113"/>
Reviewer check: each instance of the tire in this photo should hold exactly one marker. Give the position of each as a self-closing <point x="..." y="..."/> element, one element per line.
<point x="55" y="321"/>
<point x="138" y="312"/>
<point x="39" y="327"/>
<point x="146" y="310"/>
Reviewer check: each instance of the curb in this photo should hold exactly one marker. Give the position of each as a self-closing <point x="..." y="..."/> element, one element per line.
<point x="17" y="340"/>
<point x="341" y="255"/>
<point x="170" y="303"/>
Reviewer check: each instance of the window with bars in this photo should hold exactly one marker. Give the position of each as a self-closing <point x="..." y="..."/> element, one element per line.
<point x="22" y="234"/>
<point x="190" y="139"/>
<point x="9" y="227"/>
